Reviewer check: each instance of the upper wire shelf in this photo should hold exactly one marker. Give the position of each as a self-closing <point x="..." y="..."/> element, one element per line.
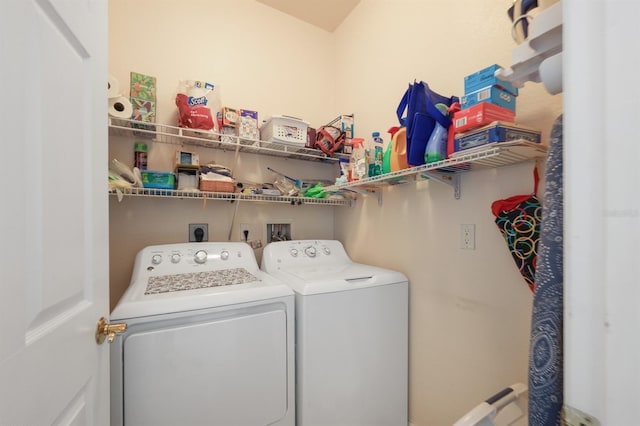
<point x="182" y="136"/>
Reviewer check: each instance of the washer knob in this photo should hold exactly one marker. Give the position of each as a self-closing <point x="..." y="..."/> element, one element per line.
<point x="224" y="255"/>
<point x="326" y="250"/>
<point x="294" y="252"/>
<point x="156" y="259"/>
<point x="175" y="258"/>
<point x="200" y="256"/>
<point x="310" y="251"/>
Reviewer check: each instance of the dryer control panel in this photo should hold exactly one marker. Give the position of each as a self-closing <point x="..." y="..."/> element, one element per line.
<point x="193" y="257"/>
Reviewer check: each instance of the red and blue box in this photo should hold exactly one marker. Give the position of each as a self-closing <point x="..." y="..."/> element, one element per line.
<point x="480" y="115"/>
<point x="494" y="132"/>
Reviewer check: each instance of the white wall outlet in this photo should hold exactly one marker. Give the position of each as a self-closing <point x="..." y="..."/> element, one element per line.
<point x="249" y="236"/>
<point x="468" y="236"/>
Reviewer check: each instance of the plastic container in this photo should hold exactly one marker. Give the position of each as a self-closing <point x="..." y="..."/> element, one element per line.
<point x="436" y="149"/>
<point x="140" y="155"/>
<point x="285" y="129"/>
<point x="399" y="150"/>
<point x="375" y="159"/>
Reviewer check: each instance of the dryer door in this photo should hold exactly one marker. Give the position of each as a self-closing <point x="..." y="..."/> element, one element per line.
<point x="227" y="370"/>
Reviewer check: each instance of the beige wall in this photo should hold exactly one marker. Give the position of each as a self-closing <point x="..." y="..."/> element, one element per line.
<point x="470" y="310"/>
<point x="261" y="60"/>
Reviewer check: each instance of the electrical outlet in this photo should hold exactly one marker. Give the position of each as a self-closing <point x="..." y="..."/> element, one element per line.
<point x="246" y="227"/>
<point x="194" y="232"/>
<point x="468" y="236"/>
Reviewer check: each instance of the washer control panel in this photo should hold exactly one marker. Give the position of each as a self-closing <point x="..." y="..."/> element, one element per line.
<point x="304" y="252"/>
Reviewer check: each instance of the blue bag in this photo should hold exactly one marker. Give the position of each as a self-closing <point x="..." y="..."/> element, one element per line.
<point x="420" y="101"/>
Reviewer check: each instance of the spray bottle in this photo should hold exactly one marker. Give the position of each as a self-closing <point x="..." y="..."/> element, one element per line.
<point x="358" y="164"/>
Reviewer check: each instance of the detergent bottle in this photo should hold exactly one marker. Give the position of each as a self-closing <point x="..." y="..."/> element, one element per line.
<point x="398" y="158"/>
<point x="386" y="157"/>
<point x="436" y="149"/>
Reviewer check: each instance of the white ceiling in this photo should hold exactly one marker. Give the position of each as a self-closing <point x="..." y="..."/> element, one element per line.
<point x="326" y="14"/>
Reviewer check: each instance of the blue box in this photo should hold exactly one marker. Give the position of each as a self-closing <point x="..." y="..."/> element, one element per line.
<point x="494" y="132"/>
<point x="492" y="94"/>
<point x="485" y="78"/>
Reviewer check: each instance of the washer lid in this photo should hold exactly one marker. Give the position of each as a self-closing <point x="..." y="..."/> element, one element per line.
<point x="333" y="278"/>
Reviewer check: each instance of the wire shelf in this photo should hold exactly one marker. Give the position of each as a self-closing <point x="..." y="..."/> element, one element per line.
<point x="181" y="136"/>
<point x="489" y="156"/>
<point x="227" y="196"/>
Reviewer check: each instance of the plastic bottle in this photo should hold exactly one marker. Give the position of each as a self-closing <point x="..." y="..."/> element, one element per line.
<point x="358" y="164"/>
<point x="140" y="155"/>
<point x="436" y="149"/>
<point x="377" y="153"/>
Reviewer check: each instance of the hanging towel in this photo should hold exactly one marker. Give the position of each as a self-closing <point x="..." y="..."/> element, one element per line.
<point x="545" y="351"/>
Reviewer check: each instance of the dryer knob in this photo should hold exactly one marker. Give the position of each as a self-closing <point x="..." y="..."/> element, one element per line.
<point x="326" y="250"/>
<point x="200" y="256"/>
<point x="156" y="259"/>
<point x="294" y="252"/>
<point x="175" y="258"/>
<point x="310" y="251"/>
<point x="224" y="255"/>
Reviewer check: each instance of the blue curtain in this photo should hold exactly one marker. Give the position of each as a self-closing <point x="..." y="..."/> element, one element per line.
<point x="545" y="351"/>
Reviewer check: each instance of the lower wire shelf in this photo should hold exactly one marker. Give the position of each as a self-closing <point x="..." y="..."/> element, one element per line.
<point x="226" y="196"/>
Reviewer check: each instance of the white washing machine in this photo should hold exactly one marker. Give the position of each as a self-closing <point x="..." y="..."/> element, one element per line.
<point x="210" y="340"/>
<point x="351" y="335"/>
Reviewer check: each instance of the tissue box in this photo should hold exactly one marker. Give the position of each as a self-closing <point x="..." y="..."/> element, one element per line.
<point x="494" y="132"/>
<point x="480" y="115"/>
<point x="485" y="78"/>
<point x="492" y="94"/>
<point x="160" y="180"/>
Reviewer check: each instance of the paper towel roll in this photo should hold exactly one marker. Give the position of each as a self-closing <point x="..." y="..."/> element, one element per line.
<point x="550" y="71"/>
<point x="113" y="87"/>
<point x="120" y="107"/>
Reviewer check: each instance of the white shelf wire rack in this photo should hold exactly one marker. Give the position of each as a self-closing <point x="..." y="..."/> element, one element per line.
<point x="181" y="136"/>
<point x="227" y="196"/>
<point x="448" y="171"/>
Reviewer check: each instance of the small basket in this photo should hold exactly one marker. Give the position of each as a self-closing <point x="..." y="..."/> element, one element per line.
<point x="217" y="186"/>
<point x="285" y="129"/>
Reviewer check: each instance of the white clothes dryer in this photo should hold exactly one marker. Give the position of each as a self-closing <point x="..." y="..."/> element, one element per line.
<point x="351" y="335"/>
<point x="210" y="340"/>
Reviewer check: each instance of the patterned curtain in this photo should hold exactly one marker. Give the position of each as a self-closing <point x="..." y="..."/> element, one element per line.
<point x="545" y="351"/>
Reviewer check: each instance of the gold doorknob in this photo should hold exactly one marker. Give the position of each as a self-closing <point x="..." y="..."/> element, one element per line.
<point x="108" y="331"/>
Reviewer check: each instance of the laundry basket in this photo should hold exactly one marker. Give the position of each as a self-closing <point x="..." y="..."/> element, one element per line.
<point x="285" y="129"/>
<point x="506" y="408"/>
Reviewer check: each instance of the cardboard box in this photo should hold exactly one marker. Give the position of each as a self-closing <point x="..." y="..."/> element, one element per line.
<point x="495" y="132"/>
<point x="143" y="97"/>
<point x="480" y="115"/>
<point x="248" y="125"/>
<point x="485" y="78"/>
<point x="492" y="94"/>
<point x="230" y="117"/>
<point x="187" y="158"/>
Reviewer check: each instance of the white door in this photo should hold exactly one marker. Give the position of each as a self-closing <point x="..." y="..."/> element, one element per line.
<point x="602" y="211"/>
<point x="53" y="214"/>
